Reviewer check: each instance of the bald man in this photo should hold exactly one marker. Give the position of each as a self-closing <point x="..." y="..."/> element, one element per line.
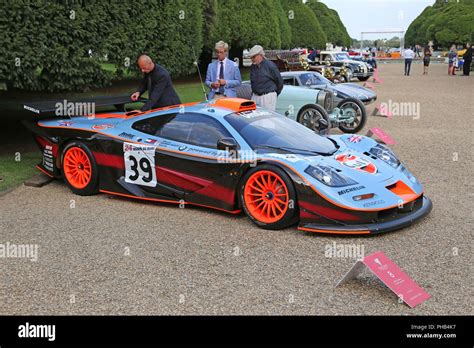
<point x="157" y="81"/>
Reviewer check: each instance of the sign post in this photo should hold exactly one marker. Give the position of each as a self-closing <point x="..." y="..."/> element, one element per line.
<point x="391" y="275"/>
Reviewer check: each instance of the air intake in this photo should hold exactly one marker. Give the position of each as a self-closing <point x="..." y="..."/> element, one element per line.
<point x="235" y="104"/>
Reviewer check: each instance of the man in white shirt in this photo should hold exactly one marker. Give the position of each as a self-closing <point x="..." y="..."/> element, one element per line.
<point x="409" y="55"/>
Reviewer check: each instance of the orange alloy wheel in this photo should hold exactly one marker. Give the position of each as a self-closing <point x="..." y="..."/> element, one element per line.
<point x="266" y="196"/>
<point x="77" y="167"/>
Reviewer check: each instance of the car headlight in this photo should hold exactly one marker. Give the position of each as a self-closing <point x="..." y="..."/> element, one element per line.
<point x="329" y="176"/>
<point x="408" y="174"/>
<point x="385" y="154"/>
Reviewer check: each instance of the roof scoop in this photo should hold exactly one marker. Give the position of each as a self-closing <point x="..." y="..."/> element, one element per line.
<point x="235" y="104"/>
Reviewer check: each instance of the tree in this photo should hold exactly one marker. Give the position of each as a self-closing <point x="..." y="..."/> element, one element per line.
<point x="240" y="29"/>
<point x="445" y="23"/>
<point x="330" y="22"/>
<point x="305" y="28"/>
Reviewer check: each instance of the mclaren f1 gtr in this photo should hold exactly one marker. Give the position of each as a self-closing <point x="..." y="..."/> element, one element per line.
<point x="230" y="155"/>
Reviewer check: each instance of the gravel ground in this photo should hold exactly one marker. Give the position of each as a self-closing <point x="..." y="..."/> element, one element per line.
<point x="115" y="256"/>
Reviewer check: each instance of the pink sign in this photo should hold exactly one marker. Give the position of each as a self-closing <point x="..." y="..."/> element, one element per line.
<point x="368" y="85"/>
<point x="398" y="281"/>
<point x="387" y="139"/>
<point x="382" y="110"/>
<point x="377" y="78"/>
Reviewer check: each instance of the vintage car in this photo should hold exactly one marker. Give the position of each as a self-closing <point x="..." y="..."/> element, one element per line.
<point x="341" y="91"/>
<point x="232" y="156"/>
<point x="360" y="70"/>
<point x="316" y="108"/>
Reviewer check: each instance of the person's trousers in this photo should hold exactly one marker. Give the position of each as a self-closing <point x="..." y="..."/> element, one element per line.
<point x="266" y="101"/>
<point x="466" y="68"/>
<point x="407" y="66"/>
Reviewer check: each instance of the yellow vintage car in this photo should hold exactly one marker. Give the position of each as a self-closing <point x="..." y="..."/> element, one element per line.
<point x="461" y="53"/>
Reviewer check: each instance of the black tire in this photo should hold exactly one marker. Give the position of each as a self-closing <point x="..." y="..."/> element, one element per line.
<point x="309" y="116"/>
<point x="361" y="115"/>
<point x="92" y="186"/>
<point x="290" y="216"/>
<point x="365" y="78"/>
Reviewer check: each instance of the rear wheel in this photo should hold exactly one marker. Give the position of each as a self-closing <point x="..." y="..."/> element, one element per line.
<point x="310" y="116"/>
<point x="268" y="197"/>
<point x="356" y="109"/>
<point x="80" y="169"/>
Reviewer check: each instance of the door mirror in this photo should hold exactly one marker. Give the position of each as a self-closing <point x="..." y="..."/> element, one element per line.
<point x="227" y="144"/>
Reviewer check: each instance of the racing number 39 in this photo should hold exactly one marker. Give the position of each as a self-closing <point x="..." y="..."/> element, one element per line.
<point x="140" y="165"/>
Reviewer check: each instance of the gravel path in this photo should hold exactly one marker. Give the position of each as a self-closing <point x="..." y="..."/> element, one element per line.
<point x="115" y="256"/>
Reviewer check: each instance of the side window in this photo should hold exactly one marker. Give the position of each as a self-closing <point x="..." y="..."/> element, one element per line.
<point x="189" y="128"/>
<point x="289" y="81"/>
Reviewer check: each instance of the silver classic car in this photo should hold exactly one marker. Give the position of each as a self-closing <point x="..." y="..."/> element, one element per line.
<point x="317" y="109"/>
<point x="340" y="91"/>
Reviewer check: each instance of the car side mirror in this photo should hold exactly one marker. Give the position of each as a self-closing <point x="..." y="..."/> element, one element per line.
<point x="227" y="144"/>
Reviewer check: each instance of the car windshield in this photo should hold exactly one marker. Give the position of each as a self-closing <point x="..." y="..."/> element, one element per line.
<point x="311" y="79"/>
<point x="342" y="56"/>
<point x="266" y="130"/>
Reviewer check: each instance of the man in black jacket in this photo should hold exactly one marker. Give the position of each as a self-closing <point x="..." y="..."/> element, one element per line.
<point x="467" y="60"/>
<point x="157" y="81"/>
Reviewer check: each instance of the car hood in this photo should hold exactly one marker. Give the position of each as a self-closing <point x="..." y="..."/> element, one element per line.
<point x="370" y="174"/>
<point x="354" y="90"/>
<point x="346" y="90"/>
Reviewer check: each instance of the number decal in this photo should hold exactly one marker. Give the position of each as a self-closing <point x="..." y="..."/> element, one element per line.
<point x="133" y="168"/>
<point x="146" y="169"/>
<point x="139" y="164"/>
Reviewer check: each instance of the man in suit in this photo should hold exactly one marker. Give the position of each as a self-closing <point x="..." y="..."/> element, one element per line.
<point x="157" y="81"/>
<point x="223" y="75"/>
<point x="467" y="60"/>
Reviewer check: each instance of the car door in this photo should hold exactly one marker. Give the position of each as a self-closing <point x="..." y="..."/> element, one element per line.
<point x="187" y="160"/>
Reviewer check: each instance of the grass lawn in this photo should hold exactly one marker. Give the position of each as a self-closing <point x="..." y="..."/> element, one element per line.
<point x="13" y="173"/>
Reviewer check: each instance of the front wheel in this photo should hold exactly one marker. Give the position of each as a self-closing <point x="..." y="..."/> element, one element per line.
<point x="354" y="108"/>
<point x="348" y="76"/>
<point x="268" y="197"/>
<point x="365" y="78"/>
<point x="80" y="169"/>
<point x="313" y="116"/>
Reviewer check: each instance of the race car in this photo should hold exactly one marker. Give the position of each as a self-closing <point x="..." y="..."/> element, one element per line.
<point x="227" y="154"/>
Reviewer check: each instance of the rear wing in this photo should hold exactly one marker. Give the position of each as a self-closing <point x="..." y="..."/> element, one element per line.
<point x="79" y="107"/>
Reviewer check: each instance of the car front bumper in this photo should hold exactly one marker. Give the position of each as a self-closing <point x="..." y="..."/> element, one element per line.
<point x="401" y="220"/>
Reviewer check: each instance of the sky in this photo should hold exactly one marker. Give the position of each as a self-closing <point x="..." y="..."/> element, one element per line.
<point x="377" y="15"/>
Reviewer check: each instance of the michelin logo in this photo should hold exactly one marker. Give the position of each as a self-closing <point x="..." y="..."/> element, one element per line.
<point x="351" y="189"/>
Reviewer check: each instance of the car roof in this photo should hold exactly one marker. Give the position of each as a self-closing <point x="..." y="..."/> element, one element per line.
<point x="215" y="108"/>
<point x="293" y="73"/>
